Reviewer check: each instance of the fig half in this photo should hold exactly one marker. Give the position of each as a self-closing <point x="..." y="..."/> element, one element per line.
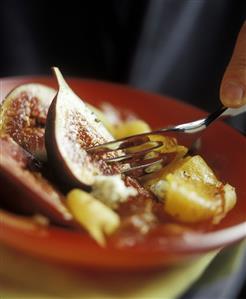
<point x="23" y="187"/>
<point x="72" y="127"/>
<point x="23" y="115"/>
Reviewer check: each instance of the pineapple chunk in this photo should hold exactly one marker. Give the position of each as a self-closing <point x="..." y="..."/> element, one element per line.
<point x="130" y="128"/>
<point x="138" y="126"/>
<point x="158" y="178"/>
<point x="189" y="168"/>
<point x="192" y="193"/>
<point x="190" y="202"/>
<point x="135" y="127"/>
<point x="170" y="145"/>
<point x="195" y="168"/>
<point x="93" y="215"/>
<point x="193" y="201"/>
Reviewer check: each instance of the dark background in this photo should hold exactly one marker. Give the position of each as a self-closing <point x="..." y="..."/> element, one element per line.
<point x="174" y="47"/>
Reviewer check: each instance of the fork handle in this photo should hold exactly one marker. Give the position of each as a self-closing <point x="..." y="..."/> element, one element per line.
<point x="229" y="112"/>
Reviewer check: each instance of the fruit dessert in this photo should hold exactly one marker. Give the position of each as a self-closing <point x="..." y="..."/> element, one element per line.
<point x="49" y="174"/>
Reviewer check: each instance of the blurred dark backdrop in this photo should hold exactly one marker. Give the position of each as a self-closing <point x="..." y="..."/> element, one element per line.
<point x="174" y="47"/>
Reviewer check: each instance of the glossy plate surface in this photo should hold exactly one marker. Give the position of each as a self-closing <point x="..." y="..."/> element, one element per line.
<point x="223" y="148"/>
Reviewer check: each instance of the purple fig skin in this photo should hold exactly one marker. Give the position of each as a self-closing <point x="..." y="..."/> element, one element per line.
<point x="71" y="127"/>
<point x="24" y="189"/>
<point x="55" y="159"/>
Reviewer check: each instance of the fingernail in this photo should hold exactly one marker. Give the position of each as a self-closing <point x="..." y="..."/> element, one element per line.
<point x="232" y="94"/>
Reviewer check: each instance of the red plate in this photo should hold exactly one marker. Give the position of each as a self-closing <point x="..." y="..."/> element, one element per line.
<point x="223" y="148"/>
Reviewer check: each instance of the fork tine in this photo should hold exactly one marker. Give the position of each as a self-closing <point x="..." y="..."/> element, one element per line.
<point x="138" y="154"/>
<point x="145" y="168"/>
<point x="120" y="144"/>
<point x="138" y="161"/>
<point x="141" y="167"/>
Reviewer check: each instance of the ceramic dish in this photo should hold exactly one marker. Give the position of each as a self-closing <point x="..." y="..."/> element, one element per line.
<point x="223" y="148"/>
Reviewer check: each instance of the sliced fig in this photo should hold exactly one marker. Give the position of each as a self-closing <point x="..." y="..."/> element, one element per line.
<point x="23" y="115"/>
<point x="71" y="127"/>
<point x="24" y="189"/>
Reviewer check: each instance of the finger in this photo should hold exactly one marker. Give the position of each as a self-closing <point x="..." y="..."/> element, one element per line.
<point x="233" y="86"/>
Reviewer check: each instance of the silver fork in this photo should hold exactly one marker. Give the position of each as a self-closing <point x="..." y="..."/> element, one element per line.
<point x="140" y="162"/>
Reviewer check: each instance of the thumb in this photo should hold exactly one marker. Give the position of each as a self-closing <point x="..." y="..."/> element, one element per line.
<point x="233" y="86"/>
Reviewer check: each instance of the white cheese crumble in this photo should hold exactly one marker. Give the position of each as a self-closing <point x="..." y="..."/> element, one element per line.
<point x="111" y="190"/>
<point x="159" y="189"/>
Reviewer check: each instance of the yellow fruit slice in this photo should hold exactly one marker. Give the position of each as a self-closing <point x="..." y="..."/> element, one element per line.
<point x="195" y="168"/>
<point x="188" y="168"/>
<point x="191" y="192"/>
<point x="190" y="202"/>
<point x="132" y="127"/>
<point x="93" y="215"/>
